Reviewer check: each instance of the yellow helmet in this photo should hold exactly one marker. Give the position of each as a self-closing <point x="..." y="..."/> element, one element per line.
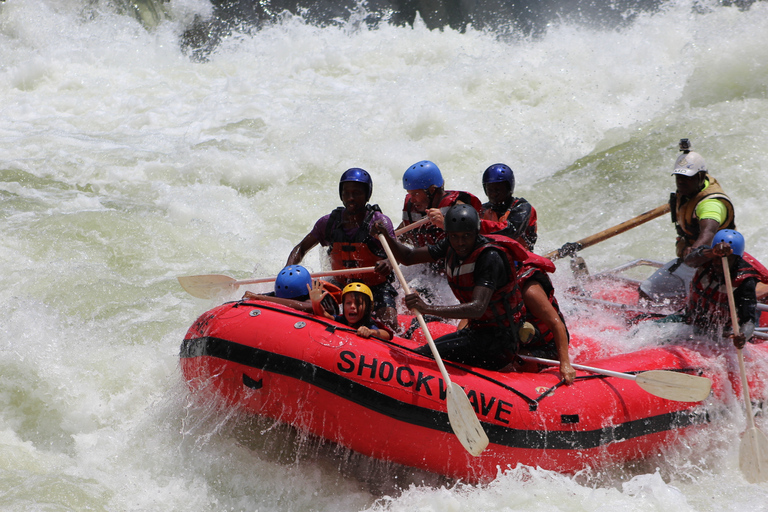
<point x="357" y="287"/>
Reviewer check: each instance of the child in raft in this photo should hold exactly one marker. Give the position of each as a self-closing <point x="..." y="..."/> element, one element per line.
<point x="356" y="302"/>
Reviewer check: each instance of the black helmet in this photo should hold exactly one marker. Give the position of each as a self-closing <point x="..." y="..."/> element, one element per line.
<point x="461" y="218"/>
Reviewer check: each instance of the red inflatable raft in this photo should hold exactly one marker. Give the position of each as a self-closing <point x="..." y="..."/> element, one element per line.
<point x="383" y="400"/>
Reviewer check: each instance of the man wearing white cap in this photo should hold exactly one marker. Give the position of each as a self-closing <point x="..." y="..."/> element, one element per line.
<point x="700" y="207"/>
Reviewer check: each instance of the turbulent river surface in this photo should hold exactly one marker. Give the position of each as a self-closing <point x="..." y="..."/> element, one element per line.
<point x="126" y="160"/>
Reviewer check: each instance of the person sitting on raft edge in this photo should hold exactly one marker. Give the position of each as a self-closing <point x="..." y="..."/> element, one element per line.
<point x="356" y="304"/>
<point x="481" y="273"/>
<point x="708" y="307"/>
<point x="346" y="233"/>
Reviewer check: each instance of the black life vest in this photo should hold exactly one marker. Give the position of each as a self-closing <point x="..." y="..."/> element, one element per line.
<point x="356" y="251"/>
<point x="505" y="309"/>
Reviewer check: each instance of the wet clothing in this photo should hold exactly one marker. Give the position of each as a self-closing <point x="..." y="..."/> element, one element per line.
<point x="708" y="308"/>
<point x="542" y="344"/>
<point x="685" y="217"/>
<point x="490" y="341"/>
<point x="517" y="221"/>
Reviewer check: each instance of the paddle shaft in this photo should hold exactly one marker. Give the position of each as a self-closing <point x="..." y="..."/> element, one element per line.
<point x="608" y="373"/>
<point x="615" y="230"/>
<point x="419" y="316"/>
<point x="735" y="323"/>
<point x="412" y="226"/>
<point x="327" y="273"/>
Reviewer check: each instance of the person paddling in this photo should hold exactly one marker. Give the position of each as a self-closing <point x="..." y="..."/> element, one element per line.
<point x="707" y="308"/>
<point x="427" y="197"/>
<point x="481" y="274"/>
<point x="699" y="205"/>
<point x="346" y="233"/>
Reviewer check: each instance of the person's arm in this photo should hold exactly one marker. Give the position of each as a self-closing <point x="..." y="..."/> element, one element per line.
<point x="367" y="332"/>
<point x="707" y="230"/>
<point x="303" y="247"/>
<point x="537" y="303"/>
<point x="745" y="298"/>
<point x="481" y="297"/>
<point x="304" y="306"/>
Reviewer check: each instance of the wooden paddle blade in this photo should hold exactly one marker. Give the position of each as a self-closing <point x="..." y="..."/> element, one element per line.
<point x="753" y="456"/>
<point x="464" y="421"/>
<point x="207" y="286"/>
<point x="677" y="386"/>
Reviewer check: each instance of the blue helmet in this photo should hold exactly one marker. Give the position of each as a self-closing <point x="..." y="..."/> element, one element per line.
<point x="360" y="176"/>
<point x="422" y="175"/>
<point x="734" y="239"/>
<point x="499" y="173"/>
<point x="461" y="218"/>
<point x="292" y="282"/>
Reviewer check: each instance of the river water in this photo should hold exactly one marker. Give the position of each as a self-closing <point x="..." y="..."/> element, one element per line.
<point x="124" y="164"/>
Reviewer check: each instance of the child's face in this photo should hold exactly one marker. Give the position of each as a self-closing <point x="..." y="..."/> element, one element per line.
<point x="354" y="308"/>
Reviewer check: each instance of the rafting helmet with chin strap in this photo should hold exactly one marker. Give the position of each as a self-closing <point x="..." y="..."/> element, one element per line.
<point x="357" y="175"/>
<point x="292" y="282"/>
<point x="499" y="173"/>
<point x="461" y="218"/>
<point x="733" y="238"/>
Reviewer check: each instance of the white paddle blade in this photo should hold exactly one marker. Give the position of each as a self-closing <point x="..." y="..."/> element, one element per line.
<point x="207" y="286"/>
<point x="677" y="386"/>
<point x="753" y="456"/>
<point x="464" y="421"/>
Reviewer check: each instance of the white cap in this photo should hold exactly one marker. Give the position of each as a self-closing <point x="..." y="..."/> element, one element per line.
<point x="689" y="164"/>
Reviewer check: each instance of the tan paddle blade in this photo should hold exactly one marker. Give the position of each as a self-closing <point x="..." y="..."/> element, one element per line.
<point x="677" y="386"/>
<point x="210" y="286"/>
<point x="206" y="286"/>
<point x="464" y="421"/>
<point x="681" y="387"/>
<point x="753" y="456"/>
<point x="461" y="415"/>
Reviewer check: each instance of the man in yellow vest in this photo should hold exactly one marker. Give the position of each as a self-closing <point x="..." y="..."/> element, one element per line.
<point x="699" y="206"/>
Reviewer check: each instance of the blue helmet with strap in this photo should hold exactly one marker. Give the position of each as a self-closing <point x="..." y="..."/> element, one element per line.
<point x="359" y="176"/>
<point x="422" y="175"/>
<point x="499" y="173"/>
<point x="292" y="282"/>
<point x="733" y="238"/>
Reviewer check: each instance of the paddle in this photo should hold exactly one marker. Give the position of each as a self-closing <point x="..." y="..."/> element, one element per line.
<point x="573" y="247"/>
<point x="677" y="386"/>
<point x="462" y="417"/>
<point x="410" y="227"/>
<point x="210" y="286"/>
<point x="753" y="451"/>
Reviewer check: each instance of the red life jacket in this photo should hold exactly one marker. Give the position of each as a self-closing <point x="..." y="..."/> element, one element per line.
<point x="505" y="309"/>
<point x="536" y="268"/>
<point x="708" y="307"/>
<point x="430" y="234"/>
<point x="357" y="251"/>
